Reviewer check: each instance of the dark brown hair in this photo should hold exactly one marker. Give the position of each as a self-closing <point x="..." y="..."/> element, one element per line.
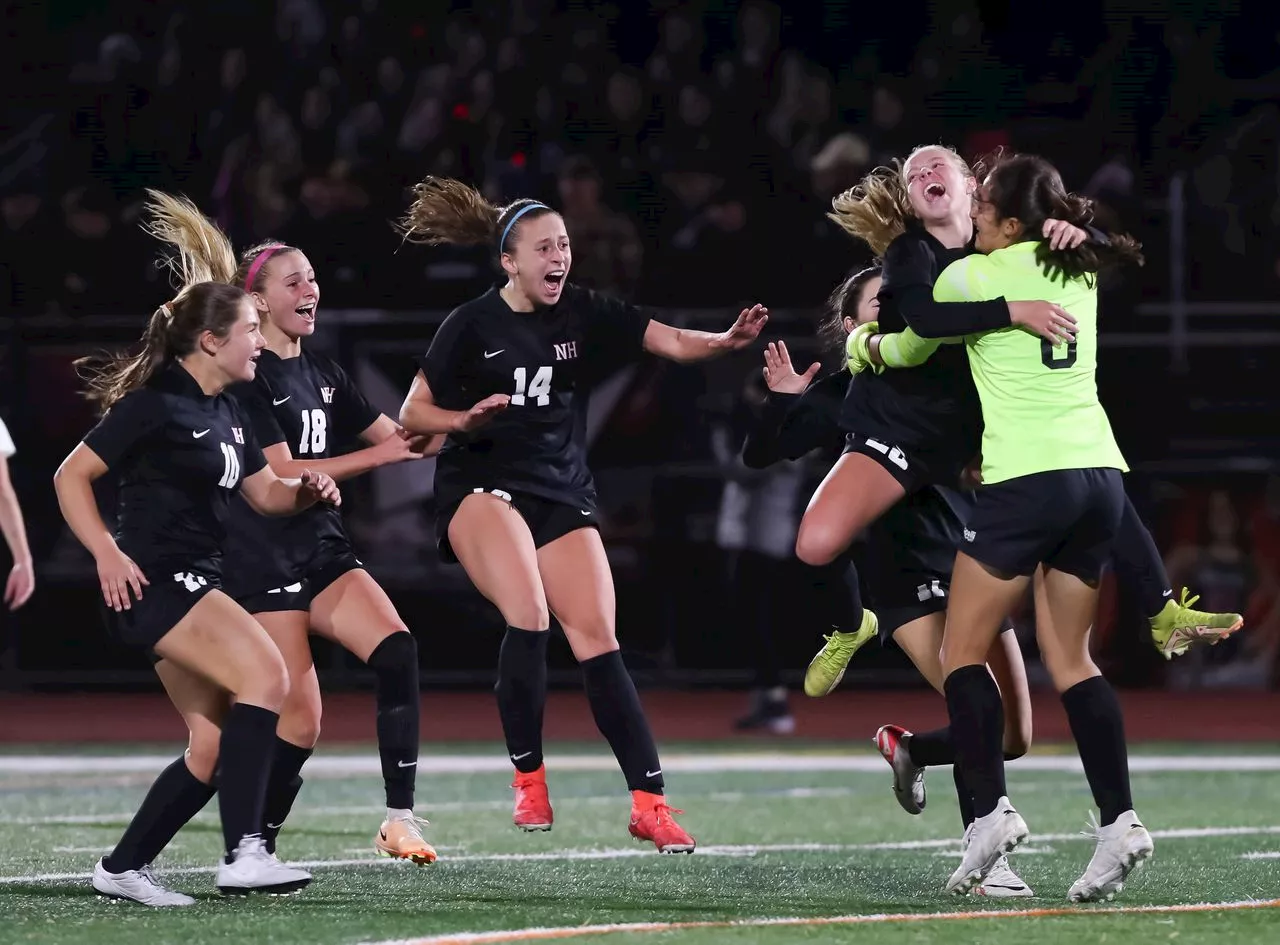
<point x="843" y="304"/>
<point x="208" y="300"/>
<point x="446" y="211"/>
<point x="1029" y="189"/>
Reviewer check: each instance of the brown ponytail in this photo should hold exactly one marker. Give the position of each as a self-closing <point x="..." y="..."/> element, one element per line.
<point x="448" y="212"/>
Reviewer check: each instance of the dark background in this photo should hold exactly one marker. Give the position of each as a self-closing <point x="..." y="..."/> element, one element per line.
<point x="718" y="132"/>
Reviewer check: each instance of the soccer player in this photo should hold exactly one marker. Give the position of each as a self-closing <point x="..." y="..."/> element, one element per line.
<point x="911" y="549"/>
<point x="301" y="574"/>
<point x="179" y="448"/>
<point x="507" y="377"/>
<point x="1050" y="506"/>
<point x="22" y="576"/>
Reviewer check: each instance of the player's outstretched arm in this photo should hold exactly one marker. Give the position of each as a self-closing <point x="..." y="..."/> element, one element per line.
<point x="420" y="415"/>
<point x="268" y="494"/>
<point x="686" y="346"/>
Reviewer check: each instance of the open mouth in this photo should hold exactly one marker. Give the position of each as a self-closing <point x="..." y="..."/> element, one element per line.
<point x="935" y="190"/>
<point x="553" y="281"/>
<point x="307" y="312"/>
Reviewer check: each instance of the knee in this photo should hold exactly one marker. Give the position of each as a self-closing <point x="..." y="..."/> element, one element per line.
<point x="814" y="547"/>
<point x="529" y="612"/>
<point x="300" y="715"/>
<point x="202" y="752"/>
<point x="591" y="637"/>
<point x="266" y="682"/>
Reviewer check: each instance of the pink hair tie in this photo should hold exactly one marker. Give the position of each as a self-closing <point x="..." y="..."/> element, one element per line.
<point x="259" y="263"/>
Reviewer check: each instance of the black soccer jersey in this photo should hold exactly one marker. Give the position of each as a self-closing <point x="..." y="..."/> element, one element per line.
<point x="310" y="404"/>
<point x="547" y="360"/>
<point x="178" y="456"/>
<point x="932" y="410"/>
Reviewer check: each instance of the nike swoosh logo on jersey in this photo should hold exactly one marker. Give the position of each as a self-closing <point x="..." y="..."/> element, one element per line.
<point x="200" y="434"/>
<point x="277" y="403"/>
<point x="406" y="764"/>
<point x="494" y="354"/>
<point x="585" y="511"/>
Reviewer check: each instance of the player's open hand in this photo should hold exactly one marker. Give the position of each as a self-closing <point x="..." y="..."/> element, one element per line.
<point x="483" y="412"/>
<point x="118" y="575"/>
<point x="780" y="375"/>
<point x="743" y="331"/>
<point x="320" y="487"/>
<point x="20" y="586"/>
<point x="1063" y="235"/>
<point x="1051" y="322"/>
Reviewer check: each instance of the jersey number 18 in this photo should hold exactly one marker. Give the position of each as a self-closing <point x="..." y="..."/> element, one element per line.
<point x="314" y="430"/>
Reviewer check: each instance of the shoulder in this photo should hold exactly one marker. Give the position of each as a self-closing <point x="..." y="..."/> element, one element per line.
<point x="321" y="365"/>
<point x="911" y="244"/>
<point x="967" y="279"/>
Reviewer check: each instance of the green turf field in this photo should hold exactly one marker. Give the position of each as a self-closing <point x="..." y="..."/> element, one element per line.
<point x="796" y="835"/>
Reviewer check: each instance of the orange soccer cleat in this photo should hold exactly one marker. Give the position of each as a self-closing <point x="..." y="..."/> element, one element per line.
<point x="533" y="806"/>
<point x="651" y="819"/>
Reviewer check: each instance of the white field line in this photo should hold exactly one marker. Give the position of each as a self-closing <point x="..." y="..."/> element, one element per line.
<point x="736" y="851"/>
<point x="755" y="763"/>
<point x="578" y="931"/>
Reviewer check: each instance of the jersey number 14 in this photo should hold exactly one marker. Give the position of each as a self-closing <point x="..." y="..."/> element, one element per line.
<point x="538" y="390"/>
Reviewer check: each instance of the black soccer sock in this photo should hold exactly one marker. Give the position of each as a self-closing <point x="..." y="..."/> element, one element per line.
<point x="522" y="694"/>
<point x="246" y="756"/>
<point x="963" y="796"/>
<point x="615" y="704"/>
<point x="977" y="727"/>
<point x="283" y="786"/>
<point x="839" y="595"/>
<point x="395" y="662"/>
<point x="932" y="748"/>
<point x="1137" y="560"/>
<point x="174" y="798"/>
<point x="1097" y="725"/>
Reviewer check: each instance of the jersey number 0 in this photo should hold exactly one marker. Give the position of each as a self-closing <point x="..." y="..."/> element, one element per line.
<point x="539" y="389"/>
<point x="1048" y="359"/>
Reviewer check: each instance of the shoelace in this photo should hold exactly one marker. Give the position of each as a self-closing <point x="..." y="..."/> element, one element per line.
<point x="1095" y="829"/>
<point x="835" y="645"/>
<point x="415" y="825"/>
<point x="150" y="877"/>
<point x="663" y="814"/>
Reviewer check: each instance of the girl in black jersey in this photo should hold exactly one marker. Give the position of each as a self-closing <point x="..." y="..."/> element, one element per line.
<point x="301" y="574"/>
<point x="909" y="555"/>
<point x="179" y="449"/>
<point x="507" y="376"/>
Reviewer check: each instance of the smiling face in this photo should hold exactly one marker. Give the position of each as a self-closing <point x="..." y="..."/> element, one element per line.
<point x="991" y="231"/>
<point x="236" y="354"/>
<point x="537" y="258"/>
<point x="289" y="294"/>
<point x="938" y="184"/>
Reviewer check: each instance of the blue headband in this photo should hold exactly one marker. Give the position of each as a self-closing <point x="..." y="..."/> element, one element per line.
<point x="516" y="216"/>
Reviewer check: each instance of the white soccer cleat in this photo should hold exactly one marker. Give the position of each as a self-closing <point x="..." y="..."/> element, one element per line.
<point x="989" y="838"/>
<point x="1122" y="846"/>
<point x="252" y="869"/>
<point x="137" y="886"/>
<point x="908" y="778"/>
<point x="1003" y="883"/>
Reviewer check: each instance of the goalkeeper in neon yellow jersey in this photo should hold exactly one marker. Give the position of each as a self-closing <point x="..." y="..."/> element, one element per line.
<point x="1050" y="506"/>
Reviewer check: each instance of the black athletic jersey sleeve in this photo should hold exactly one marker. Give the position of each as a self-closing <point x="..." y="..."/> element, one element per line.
<point x="911" y="266"/>
<point x="614" y="333"/>
<point x="255" y="401"/>
<point x="792" y="425"/>
<point x="352" y="412"/>
<point x="127" y="426"/>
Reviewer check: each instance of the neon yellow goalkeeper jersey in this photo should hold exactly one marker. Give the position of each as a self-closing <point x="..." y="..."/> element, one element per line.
<point x="1040" y="405"/>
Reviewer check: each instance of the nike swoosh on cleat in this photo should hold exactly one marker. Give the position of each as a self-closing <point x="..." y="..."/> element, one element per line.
<point x="406" y="764"/>
<point x="200" y="434"/>
<point x="383" y="835"/>
<point x="277" y="403"/>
